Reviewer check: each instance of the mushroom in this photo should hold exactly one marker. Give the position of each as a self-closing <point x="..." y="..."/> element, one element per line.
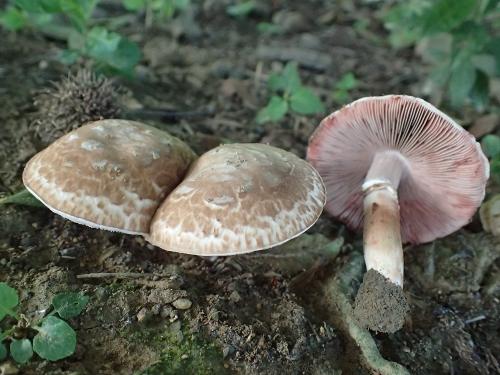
<point x="404" y="172"/>
<point x="239" y="198"/>
<point x="109" y="174"/>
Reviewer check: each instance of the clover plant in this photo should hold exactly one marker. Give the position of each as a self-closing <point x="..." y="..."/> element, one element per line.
<point x="51" y="337"/>
<point x="288" y="94"/>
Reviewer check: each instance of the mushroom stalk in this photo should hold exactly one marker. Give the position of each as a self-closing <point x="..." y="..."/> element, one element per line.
<point x="383" y="250"/>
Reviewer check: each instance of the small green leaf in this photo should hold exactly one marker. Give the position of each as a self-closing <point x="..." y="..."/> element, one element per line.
<point x="30" y="6"/>
<point x="486" y="63"/>
<point x="42" y="20"/>
<point x="164" y="9"/>
<point x="440" y="74"/>
<point x="23" y="197"/>
<point x="276" y="82"/>
<point x="335" y="246"/>
<point x="495" y="168"/>
<point x="50" y="6"/>
<point x="305" y="102"/>
<point x="8" y="300"/>
<point x="127" y="56"/>
<point x="470" y="38"/>
<point x="288" y="81"/>
<point x="3" y="351"/>
<point x="112" y="51"/>
<point x="134" y="4"/>
<point x="181" y="4"/>
<point x="480" y="92"/>
<point x="444" y="15"/>
<point x="242" y="9"/>
<point x="76" y="40"/>
<point x="274" y="111"/>
<point x="76" y="11"/>
<point x="67" y="57"/>
<point x="269" y="28"/>
<point x="411" y="20"/>
<point x="101" y="43"/>
<point x="493" y="47"/>
<point x="12" y="19"/>
<point x="491" y="145"/>
<point x="463" y="76"/>
<point x="21" y="350"/>
<point x="347" y="82"/>
<point x="488" y="5"/>
<point x="55" y="339"/>
<point x="69" y="304"/>
<point x="403" y="22"/>
<point x="291" y="76"/>
<point x="86" y="7"/>
<point x="340" y="96"/>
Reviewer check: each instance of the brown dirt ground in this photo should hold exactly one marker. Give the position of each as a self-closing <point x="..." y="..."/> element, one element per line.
<point x="249" y="314"/>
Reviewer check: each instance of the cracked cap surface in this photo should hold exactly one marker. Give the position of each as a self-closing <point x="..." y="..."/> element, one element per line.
<point x="239" y="198"/>
<point x="109" y="174"/>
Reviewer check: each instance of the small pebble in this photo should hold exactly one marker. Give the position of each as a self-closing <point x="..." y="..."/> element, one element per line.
<point x="227" y="351"/>
<point x="43" y="64"/>
<point x="235" y="297"/>
<point x="166" y="312"/>
<point x="182" y="304"/>
<point x="71" y="251"/>
<point x="142" y="314"/>
<point x="155" y="310"/>
<point x="8" y="369"/>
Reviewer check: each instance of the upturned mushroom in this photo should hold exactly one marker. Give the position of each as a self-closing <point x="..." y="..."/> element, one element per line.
<point x="109" y="174"/>
<point x="404" y="172"/>
<point x="239" y="198"/>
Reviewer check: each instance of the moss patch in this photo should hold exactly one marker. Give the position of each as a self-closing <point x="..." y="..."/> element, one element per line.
<point x="181" y="352"/>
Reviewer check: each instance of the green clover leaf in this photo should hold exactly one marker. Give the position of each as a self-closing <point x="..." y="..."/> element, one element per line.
<point x="491" y="145"/>
<point x="305" y="102"/>
<point x="8" y="300"/>
<point x="3" y="352"/>
<point x="275" y="110"/>
<point x="69" y="304"/>
<point x="21" y="350"/>
<point x="55" y="339"/>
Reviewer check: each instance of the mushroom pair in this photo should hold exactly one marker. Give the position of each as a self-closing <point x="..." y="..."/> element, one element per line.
<point x="128" y="177"/>
<point x="404" y="172"/>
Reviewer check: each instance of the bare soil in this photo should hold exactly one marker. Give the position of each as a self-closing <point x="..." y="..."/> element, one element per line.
<point x="156" y="312"/>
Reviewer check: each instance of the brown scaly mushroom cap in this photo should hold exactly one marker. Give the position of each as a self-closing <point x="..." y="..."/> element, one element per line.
<point x="444" y="171"/>
<point x="109" y="174"/>
<point x="239" y="198"/>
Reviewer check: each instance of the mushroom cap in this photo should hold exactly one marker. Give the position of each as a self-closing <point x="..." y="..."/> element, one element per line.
<point x="446" y="171"/>
<point x="109" y="174"/>
<point x="239" y="198"/>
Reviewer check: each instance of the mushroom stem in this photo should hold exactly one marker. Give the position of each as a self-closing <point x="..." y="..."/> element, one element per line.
<point x="383" y="250"/>
<point x="382" y="237"/>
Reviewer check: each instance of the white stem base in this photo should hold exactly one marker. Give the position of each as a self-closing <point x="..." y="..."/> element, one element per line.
<point x="382" y="237"/>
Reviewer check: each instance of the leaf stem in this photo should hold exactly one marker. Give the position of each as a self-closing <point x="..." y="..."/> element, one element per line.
<point x="6" y="333"/>
<point x="11" y="312"/>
